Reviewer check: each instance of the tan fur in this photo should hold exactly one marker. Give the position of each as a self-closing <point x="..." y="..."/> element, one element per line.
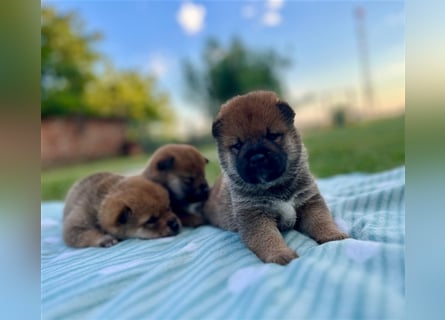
<point x="104" y="208"/>
<point x="180" y="168"/>
<point x="259" y="210"/>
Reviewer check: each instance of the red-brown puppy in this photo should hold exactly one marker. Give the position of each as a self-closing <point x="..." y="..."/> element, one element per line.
<point x="104" y="208"/>
<point x="180" y="168"/>
<point x="266" y="186"/>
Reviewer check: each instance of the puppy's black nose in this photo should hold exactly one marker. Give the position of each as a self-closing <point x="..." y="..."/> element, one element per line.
<point x="204" y="188"/>
<point x="174" y="225"/>
<point x="257" y="159"/>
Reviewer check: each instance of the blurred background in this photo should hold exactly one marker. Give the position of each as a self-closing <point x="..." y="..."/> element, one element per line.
<point x="119" y="79"/>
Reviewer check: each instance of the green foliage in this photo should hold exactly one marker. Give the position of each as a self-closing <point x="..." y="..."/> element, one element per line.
<point x="339" y="115"/>
<point x="69" y="85"/>
<point x="231" y="71"/>
<point x="126" y="94"/>
<point x="67" y="58"/>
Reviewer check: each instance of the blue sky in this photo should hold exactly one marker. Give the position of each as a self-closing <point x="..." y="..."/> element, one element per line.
<point x="319" y="37"/>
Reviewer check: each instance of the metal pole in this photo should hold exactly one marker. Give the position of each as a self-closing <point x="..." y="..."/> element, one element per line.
<point x="368" y="93"/>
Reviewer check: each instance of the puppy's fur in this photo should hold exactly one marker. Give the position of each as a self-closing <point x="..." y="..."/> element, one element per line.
<point x="180" y="168"/>
<point x="104" y="208"/>
<point x="266" y="186"/>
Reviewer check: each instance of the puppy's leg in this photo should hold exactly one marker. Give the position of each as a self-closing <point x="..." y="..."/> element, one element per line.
<point x="191" y="220"/>
<point x="315" y="220"/>
<point x="80" y="236"/>
<point x="261" y="235"/>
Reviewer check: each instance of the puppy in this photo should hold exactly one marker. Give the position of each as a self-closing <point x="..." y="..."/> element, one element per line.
<point x="104" y="208"/>
<point x="265" y="186"/>
<point x="180" y="168"/>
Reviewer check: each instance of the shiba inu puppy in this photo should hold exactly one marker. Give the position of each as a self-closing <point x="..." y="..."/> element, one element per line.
<point x="180" y="168"/>
<point x="265" y="186"/>
<point x="104" y="208"/>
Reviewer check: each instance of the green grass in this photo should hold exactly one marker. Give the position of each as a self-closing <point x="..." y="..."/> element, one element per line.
<point x="367" y="147"/>
<point x="56" y="182"/>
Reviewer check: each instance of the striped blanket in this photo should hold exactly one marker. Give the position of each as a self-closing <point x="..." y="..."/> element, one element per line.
<point x="207" y="273"/>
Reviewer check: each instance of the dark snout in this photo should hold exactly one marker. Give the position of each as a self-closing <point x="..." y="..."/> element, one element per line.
<point x="199" y="193"/>
<point x="204" y="191"/>
<point x="258" y="159"/>
<point x="174" y="225"/>
<point x="259" y="164"/>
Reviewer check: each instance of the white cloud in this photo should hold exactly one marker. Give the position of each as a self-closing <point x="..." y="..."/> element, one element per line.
<point x="271" y="18"/>
<point x="158" y="65"/>
<point x="274" y="4"/>
<point x="248" y="11"/>
<point x="191" y="17"/>
<point x="272" y="15"/>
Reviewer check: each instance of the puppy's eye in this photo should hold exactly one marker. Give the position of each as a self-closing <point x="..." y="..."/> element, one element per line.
<point x="273" y="136"/>
<point x="189" y="180"/>
<point x="124" y="215"/>
<point x="152" y="220"/>
<point x="237" y="146"/>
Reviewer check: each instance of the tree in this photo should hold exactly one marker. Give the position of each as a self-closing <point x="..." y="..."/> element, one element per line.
<point x="67" y="58"/>
<point x="72" y="84"/>
<point x="229" y="72"/>
<point x="126" y="94"/>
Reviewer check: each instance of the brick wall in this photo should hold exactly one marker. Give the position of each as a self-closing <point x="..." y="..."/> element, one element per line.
<point x="70" y="140"/>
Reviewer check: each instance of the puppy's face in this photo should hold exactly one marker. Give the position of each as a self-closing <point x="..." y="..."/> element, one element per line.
<point x="138" y="208"/>
<point x="181" y="169"/>
<point x="256" y="138"/>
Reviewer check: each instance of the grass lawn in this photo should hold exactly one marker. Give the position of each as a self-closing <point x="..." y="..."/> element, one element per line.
<point x="367" y="147"/>
<point x="56" y="182"/>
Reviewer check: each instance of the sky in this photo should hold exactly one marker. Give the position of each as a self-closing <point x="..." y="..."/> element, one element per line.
<point x="320" y="38"/>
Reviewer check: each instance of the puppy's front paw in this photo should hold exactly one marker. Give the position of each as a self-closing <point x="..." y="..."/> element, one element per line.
<point x="283" y="256"/>
<point x="107" y="241"/>
<point x="332" y="235"/>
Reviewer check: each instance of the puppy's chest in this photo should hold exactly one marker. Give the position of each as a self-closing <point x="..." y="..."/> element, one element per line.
<point x="288" y="215"/>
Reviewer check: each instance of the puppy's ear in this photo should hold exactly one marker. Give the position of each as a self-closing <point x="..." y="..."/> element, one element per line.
<point x="287" y="112"/>
<point x="166" y="164"/>
<point x="216" y="128"/>
<point x="124" y="215"/>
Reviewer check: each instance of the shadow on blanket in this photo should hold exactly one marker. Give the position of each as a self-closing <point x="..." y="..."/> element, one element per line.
<point x="207" y="273"/>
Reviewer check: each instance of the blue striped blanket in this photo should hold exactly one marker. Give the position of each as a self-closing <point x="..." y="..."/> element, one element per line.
<point x="207" y="273"/>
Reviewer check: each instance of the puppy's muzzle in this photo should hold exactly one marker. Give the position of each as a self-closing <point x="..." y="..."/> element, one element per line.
<point x="174" y="226"/>
<point x="204" y="191"/>
<point x="201" y="193"/>
<point x="260" y="165"/>
<point x="258" y="159"/>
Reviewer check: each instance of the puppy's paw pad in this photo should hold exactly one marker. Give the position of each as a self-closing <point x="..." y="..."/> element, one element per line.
<point x="332" y="236"/>
<point x="108" y="241"/>
<point x="282" y="257"/>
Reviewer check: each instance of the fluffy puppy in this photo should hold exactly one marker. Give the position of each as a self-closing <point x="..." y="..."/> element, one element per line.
<point x="180" y="168"/>
<point x="265" y="186"/>
<point x="104" y="208"/>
